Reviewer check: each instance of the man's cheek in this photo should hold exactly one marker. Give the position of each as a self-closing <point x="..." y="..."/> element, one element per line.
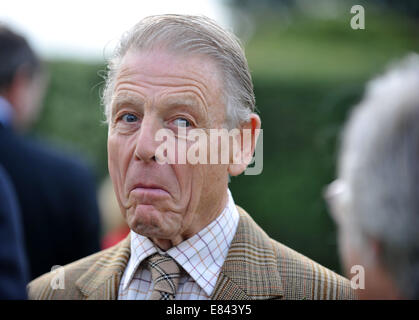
<point x="115" y="154"/>
<point x="114" y="170"/>
<point x="113" y="167"/>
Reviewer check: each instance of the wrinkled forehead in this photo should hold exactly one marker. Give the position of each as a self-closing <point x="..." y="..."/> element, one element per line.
<point x="178" y="72"/>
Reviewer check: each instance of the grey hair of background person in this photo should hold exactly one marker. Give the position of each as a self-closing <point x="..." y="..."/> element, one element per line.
<point x="185" y="34"/>
<point x="379" y="163"/>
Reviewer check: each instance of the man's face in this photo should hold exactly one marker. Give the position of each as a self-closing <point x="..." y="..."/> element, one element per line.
<point x="157" y="90"/>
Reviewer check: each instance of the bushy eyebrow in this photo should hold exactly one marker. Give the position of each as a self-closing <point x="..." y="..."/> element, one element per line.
<point x="184" y="101"/>
<point x="126" y="99"/>
<point x="188" y="103"/>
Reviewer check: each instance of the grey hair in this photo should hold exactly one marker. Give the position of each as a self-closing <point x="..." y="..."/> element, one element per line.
<point x="379" y="162"/>
<point x="191" y="35"/>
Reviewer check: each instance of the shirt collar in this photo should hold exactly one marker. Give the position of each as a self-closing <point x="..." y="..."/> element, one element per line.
<point x="6" y="112"/>
<point x="201" y="256"/>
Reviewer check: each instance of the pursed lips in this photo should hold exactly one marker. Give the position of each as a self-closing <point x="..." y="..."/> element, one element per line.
<point x="149" y="191"/>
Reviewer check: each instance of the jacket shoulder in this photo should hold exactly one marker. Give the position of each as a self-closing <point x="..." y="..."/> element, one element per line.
<point x="61" y="283"/>
<point x="312" y="280"/>
<point x="299" y="276"/>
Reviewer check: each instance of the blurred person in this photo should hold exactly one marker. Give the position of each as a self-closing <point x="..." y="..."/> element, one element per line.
<point x="56" y="193"/>
<point x="375" y="198"/>
<point x="188" y="239"/>
<point x="13" y="265"/>
<point x="114" y="226"/>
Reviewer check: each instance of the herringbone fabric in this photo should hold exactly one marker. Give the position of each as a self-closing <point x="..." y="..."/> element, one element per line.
<point x="165" y="273"/>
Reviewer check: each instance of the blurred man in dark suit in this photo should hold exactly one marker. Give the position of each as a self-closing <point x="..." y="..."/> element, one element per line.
<point x="13" y="265"/>
<point x="56" y="193"/>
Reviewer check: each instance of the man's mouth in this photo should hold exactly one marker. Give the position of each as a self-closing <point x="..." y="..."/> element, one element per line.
<point x="149" y="192"/>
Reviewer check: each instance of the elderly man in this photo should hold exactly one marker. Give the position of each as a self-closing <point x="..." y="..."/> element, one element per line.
<point x="188" y="239"/>
<point x="375" y="198"/>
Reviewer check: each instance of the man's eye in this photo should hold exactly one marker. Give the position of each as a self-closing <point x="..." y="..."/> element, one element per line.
<point x="129" y="117"/>
<point x="182" y="122"/>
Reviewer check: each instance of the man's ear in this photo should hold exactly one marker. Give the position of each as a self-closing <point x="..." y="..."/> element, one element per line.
<point x="18" y="84"/>
<point x="376" y="250"/>
<point x="248" y="136"/>
<point x="15" y="92"/>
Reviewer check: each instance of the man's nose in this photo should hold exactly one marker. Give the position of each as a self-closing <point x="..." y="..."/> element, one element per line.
<point x="146" y="144"/>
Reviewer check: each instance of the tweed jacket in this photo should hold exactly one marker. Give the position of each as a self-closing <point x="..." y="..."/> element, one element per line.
<point x="256" y="267"/>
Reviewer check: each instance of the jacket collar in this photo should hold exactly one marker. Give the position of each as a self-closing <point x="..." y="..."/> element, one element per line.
<point x="101" y="280"/>
<point x="251" y="252"/>
<point x="251" y="261"/>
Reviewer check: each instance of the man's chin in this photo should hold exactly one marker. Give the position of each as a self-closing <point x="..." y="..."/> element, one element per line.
<point x="149" y="222"/>
<point x="164" y="240"/>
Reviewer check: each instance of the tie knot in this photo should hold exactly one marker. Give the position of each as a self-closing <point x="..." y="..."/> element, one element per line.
<point x="165" y="273"/>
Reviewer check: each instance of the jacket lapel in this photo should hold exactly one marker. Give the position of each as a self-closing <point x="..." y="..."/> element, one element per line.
<point x="101" y="280"/>
<point x="250" y="270"/>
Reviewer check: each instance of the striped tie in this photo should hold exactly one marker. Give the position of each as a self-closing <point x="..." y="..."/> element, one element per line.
<point x="165" y="273"/>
